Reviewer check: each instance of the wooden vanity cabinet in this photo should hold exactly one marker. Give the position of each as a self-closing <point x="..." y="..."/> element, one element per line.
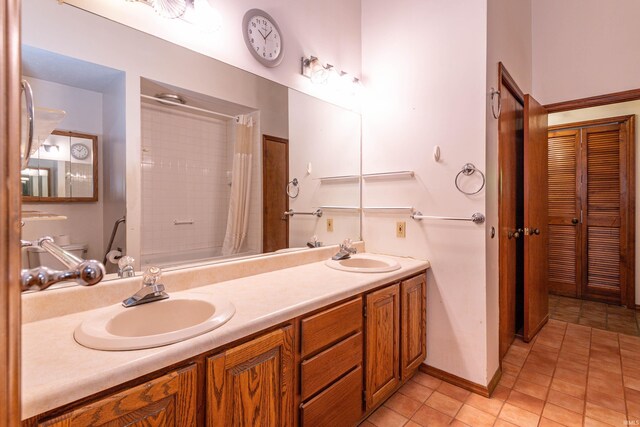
<point x="253" y="384"/>
<point x="331" y="373"/>
<point x="396" y="336"/>
<point x="413" y="303"/>
<point x="332" y="368"/>
<point x="169" y="400"/>
<point x="382" y="375"/>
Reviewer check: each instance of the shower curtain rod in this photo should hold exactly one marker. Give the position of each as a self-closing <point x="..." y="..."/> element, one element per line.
<point x="177" y="104"/>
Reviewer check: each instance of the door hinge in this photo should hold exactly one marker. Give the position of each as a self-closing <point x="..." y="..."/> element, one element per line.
<point x="580" y="216"/>
<point x="365" y="311"/>
<point x="364" y="396"/>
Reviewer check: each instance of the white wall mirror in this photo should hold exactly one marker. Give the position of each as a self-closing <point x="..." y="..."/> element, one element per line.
<point x="177" y="171"/>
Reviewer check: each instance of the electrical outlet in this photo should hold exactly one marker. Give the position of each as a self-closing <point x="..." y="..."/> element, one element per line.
<point x="401" y="229"/>
<point x="330" y="224"/>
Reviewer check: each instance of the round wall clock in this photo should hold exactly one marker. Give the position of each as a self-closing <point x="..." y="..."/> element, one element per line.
<point x="263" y="37"/>
<point x="79" y="151"/>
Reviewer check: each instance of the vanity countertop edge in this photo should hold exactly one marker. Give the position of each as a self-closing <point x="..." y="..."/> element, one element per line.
<point x="56" y="370"/>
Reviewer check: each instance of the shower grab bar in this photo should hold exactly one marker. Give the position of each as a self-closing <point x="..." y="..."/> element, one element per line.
<point x="116" y="225"/>
<point x="183" y="222"/>
<point x="290" y="212"/>
<point x="85" y="272"/>
<point x="476" y="218"/>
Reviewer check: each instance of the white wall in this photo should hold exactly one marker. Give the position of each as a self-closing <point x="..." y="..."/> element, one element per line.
<point x="613" y="110"/>
<point x="424" y="72"/>
<point x="328" y="29"/>
<point x="584" y="48"/>
<point x="327" y="137"/>
<point x="84" y="115"/>
<point x="509" y="42"/>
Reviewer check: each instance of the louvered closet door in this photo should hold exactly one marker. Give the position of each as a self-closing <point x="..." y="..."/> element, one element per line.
<point x="604" y="155"/>
<point x="564" y="213"/>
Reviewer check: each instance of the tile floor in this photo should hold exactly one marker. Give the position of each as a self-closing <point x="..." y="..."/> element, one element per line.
<point x="569" y="375"/>
<point x="595" y="314"/>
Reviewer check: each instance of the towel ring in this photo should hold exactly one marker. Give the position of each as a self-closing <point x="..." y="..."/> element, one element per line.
<point x="493" y="111"/>
<point x="467" y="170"/>
<point x="292" y="188"/>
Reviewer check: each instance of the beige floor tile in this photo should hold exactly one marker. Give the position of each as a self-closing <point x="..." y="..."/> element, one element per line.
<point x="526" y="402"/>
<point x="443" y="403"/>
<point x="518" y="416"/>
<point x="545" y="422"/>
<point x="491" y="406"/>
<point x="426" y="380"/>
<point x="532" y="376"/>
<point x="602" y="397"/>
<point x="475" y="417"/>
<point x="531" y="389"/>
<point x="453" y="391"/>
<point x="565" y="401"/>
<point x="604" y="415"/>
<point x="385" y="417"/>
<point x="428" y="417"/>
<point x="416" y="391"/>
<point x="403" y="405"/>
<point x="568" y="388"/>
<point x="562" y="415"/>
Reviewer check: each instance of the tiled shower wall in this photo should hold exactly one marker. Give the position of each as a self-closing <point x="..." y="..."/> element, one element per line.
<point x="185" y="159"/>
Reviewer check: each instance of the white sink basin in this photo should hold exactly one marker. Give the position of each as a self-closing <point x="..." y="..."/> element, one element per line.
<point x="154" y="324"/>
<point x="365" y="263"/>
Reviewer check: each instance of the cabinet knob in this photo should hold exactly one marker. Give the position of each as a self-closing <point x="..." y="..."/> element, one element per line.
<point x="574" y="221"/>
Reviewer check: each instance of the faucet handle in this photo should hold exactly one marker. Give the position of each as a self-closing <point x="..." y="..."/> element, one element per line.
<point x="126" y="261"/>
<point x="151" y="275"/>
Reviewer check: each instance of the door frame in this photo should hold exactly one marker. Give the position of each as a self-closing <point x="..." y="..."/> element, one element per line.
<point x="264" y="180"/>
<point x="628" y="297"/>
<point x="10" y="207"/>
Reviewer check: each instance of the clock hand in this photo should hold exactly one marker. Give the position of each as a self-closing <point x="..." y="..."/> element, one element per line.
<point x="265" y="37"/>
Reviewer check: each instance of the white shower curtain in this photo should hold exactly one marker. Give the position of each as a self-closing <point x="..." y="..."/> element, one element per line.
<point x="238" y="218"/>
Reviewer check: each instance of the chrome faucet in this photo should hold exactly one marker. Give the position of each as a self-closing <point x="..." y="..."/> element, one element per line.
<point x="125" y="267"/>
<point x="151" y="291"/>
<point x="345" y="251"/>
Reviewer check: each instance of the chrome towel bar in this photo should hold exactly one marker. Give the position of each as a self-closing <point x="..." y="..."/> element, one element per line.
<point x="476" y="218"/>
<point x="290" y="212"/>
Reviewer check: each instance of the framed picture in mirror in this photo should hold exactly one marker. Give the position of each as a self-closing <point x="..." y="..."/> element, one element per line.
<point x="63" y="170"/>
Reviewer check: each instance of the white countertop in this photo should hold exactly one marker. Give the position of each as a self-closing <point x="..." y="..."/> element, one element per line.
<point x="56" y="370"/>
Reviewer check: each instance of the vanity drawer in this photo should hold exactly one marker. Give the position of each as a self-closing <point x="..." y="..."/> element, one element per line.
<point x="330" y="326"/>
<point x="324" y="368"/>
<point x="339" y="405"/>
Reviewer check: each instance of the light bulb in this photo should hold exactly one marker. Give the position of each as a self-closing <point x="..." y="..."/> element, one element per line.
<point x="319" y="74"/>
<point x="201" y="14"/>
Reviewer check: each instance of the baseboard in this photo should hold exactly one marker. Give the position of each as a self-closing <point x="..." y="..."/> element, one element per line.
<point x="461" y="382"/>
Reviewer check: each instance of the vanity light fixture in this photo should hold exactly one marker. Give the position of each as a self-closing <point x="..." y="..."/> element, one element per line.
<point x="196" y="12"/>
<point x="314" y="70"/>
<point x="319" y="73"/>
<point x="50" y="148"/>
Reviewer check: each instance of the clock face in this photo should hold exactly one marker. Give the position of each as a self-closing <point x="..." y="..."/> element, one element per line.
<point x="263" y="38"/>
<point x="79" y="151"/>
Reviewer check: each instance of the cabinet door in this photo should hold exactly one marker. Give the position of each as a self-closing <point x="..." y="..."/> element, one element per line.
<point x="252" y="384"/>
<point x="166" y="401"/>
<point x="383" y="332"/>
<point x="414" y="324"/>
